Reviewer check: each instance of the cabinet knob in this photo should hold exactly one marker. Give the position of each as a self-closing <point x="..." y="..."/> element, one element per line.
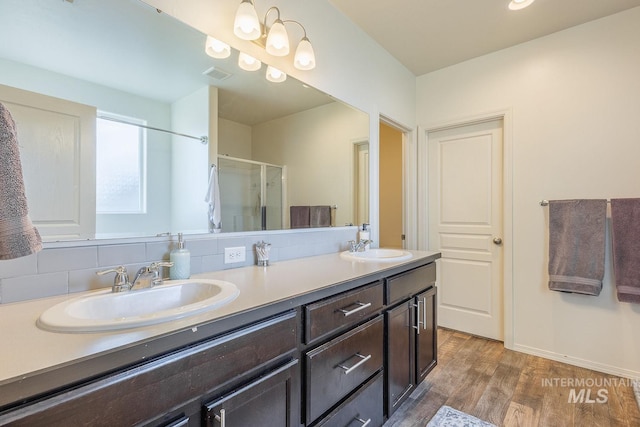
<point x="497" y="240"/>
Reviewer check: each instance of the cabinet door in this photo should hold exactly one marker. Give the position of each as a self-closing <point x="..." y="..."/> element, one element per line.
<point x="400" y="354"/>
<point x="426" y="343"/>
<point x="271" y="400"/>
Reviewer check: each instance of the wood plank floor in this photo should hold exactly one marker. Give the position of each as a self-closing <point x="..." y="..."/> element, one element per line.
<point x="508" y="388"/>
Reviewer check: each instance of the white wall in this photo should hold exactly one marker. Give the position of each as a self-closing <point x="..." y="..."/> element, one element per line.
<point x="575" y="98"/>
<point x="234" y="139"/>
<point x="317" y="147"/>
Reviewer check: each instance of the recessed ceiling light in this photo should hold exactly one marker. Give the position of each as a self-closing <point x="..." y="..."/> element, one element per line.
<point x="519" y="4"/>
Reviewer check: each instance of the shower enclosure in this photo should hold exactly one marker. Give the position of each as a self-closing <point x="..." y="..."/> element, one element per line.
<point x="251" y="194"/>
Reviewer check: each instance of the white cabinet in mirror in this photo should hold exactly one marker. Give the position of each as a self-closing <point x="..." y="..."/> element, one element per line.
<point x="154" y="70"/>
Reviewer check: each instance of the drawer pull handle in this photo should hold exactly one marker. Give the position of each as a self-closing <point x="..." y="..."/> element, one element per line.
<point x="364" y="423"/>
<point x="221" y="418"/>
<point x="424" y="315"/>
<point x="348" y="370"/>
<point x="361" y="306"/>
<point x="181" y="422"/>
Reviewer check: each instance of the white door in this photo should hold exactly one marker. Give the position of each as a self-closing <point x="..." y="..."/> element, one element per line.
<point x="57" y="142"/>
<point x="465" y="224"/>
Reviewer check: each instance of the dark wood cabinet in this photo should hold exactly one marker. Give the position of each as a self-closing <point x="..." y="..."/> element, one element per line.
<point x="400" y="344"/>
<point x="361" y="409"/>
<point x="337" y="313"/>
<point x="410" y="333"/>
<point x="269" y="401"/>
<point x="153" y="392"/>
<point x="345" y="358"/>
<point x="426" y="336"/>
<point x="337" y="368"/>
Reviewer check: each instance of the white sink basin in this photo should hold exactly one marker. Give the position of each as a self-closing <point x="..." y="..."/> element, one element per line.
<point x="377" y="255"/>
<point x="107" y="311"/>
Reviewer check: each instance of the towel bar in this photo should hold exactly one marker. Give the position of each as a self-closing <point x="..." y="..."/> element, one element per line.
<point x="545" y="202"/>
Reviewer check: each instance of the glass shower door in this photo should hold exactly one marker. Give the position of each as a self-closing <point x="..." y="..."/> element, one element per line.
<point x="272" y="204"/>
<point x="250" y="195"/>
<point x="240" y="198"/>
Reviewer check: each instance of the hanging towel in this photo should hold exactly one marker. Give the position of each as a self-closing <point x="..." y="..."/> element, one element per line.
<point x="625" y="225"/>
<point x="320" y="216"/>
<point x="18" y="236"/>
<point x="213" y="199"/>
<point x="577" y="245"/>
<point x="300" y="216"/>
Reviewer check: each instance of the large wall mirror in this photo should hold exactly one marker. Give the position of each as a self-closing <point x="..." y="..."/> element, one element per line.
<point x="94" y="85"/>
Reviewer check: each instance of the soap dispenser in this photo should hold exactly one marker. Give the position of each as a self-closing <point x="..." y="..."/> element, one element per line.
<point x="181" y="259"/>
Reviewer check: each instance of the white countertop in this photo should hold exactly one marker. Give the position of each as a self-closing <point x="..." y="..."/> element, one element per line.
<point x="29" y="349"/>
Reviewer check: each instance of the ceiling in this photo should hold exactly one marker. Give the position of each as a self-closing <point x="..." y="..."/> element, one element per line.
<point x="427" y="35"/>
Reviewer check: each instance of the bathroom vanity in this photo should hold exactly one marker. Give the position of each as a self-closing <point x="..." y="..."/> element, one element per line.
<point x="314" y="341"/>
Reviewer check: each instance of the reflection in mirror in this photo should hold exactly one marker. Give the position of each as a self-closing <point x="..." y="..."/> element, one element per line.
<point x="62" y="72"/>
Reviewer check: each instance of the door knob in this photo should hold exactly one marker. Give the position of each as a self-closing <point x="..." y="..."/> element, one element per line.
<point x="497" y="240"/>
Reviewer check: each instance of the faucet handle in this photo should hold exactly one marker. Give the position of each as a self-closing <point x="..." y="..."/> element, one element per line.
<point x="121" y="281"/>
<point x="154" y="268"/>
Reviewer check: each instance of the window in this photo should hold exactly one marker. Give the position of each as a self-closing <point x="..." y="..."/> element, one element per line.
<point x="120" y="166"/>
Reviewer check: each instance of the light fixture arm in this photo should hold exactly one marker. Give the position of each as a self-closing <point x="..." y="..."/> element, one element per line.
<point x="264" y="22"/>
<point x="296" y="22"/>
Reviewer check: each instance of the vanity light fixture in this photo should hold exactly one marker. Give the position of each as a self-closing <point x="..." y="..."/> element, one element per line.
<point x="274" y="39"/>
<point x="275" y="75"/>
<point x="216" y="48"/>
<point x="248" y="62"/>
<point x="247" y="25"/>
<point x="519" y="4"/>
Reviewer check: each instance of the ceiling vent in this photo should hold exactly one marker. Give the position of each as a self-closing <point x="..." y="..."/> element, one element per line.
<point x="217" y="73"/>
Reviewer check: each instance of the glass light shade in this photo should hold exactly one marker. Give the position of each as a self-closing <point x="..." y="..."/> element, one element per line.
<point x="519" y="4"/>
<point x="248" y="62"/>
<point x="277" y="40"/>
<point x="275" y="75"/>
<point x="247" y="25"/>
<point x="217" y="49"/>
<point x="305" y="58"/>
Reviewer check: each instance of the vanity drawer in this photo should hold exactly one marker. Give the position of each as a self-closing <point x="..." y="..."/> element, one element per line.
<point x="409" y="283"/>
<point x="364" y="407"/>
<point x="340" y="366"/>
<point x="331" y="314"/>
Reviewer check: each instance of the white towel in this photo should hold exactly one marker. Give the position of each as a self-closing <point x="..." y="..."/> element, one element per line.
<point x="18" y="236"/>
<point x="213" y="199"/>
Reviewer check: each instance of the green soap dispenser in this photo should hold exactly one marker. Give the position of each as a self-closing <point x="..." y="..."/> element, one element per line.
<point x="181" y="259"/>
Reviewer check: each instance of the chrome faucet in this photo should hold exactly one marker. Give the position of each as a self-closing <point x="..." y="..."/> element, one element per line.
<point x="146" y="277"/>
<point x="359" y="246"/>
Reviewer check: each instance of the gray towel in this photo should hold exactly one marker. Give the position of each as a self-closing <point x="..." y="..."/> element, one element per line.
<point x="320" y="216"/>
<point x="625" y="226"/>
<point x="300" y="216"/>
<point x="577" y="245"/>
<point x="18" y="236"/>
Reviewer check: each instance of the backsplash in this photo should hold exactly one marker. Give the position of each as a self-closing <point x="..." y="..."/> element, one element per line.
<point x="64" y="268"/>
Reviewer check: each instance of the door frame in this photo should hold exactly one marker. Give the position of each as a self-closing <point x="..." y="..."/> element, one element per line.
<point x="506" y="115"/>
<point x="409" y="181"/>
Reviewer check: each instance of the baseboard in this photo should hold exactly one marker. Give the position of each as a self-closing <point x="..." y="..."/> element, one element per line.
<point x="582" y="363"/>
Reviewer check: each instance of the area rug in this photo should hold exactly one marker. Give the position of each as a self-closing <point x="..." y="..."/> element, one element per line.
<point x="449" y="417"/>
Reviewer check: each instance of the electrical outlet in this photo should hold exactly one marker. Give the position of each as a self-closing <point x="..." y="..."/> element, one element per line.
<point x="233" y="255"/>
